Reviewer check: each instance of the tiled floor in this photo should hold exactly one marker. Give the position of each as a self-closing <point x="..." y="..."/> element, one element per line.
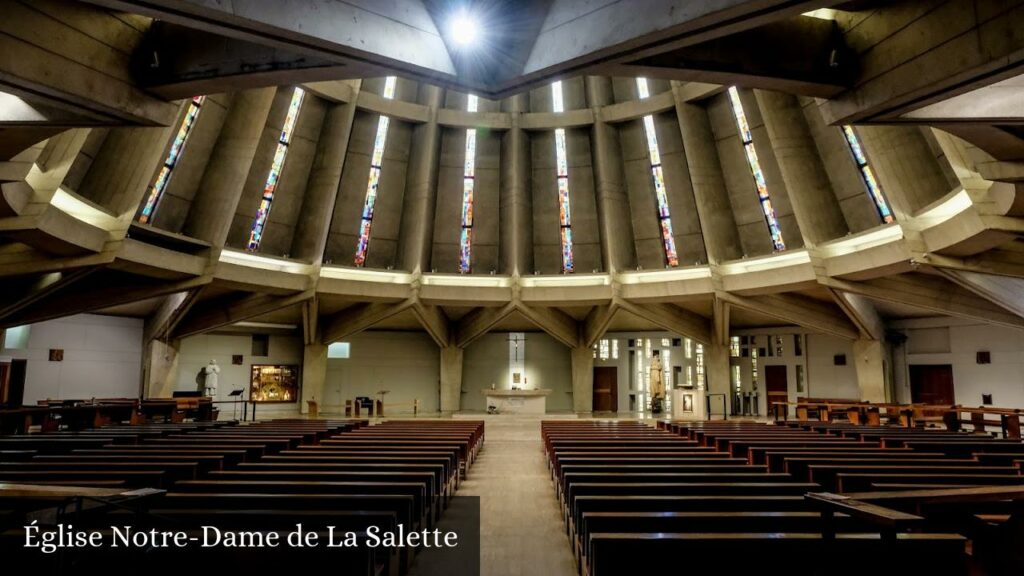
<point x="521" y="530"/>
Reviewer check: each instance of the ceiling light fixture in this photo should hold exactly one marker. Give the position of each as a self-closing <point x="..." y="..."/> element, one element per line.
<point x="463" y="29"/>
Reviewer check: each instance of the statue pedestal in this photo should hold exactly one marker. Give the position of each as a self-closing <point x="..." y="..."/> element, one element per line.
<point x="689" y="405"/>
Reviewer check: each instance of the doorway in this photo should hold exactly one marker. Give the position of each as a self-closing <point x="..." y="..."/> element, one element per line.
<point x="606" y="389"/>
<point x="932" y="384"/>
<point x="12" y="384"/>
<point x="776" y="386"/>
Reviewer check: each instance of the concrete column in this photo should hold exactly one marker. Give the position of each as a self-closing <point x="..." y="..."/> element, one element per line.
<point x="417" y="231"/>
<point x="721" y="237"/>
<point x="322" y="189"/>
<point x="583" y="380"/>
<point x="160" y="368"/>
<point x="451" y="380"/>
<point x="221" y="187"/>
<point x="515" y="204"/>
<point x="615" y="224"/>
<point x="868" y="360"/>
<point x="817" y="211"/>
<point x="716" y="371"/>
<point x="314" y="375"/>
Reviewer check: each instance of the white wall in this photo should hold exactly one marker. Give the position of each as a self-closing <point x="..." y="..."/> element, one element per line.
<point x="102" y="358"/>
<point x="197" y="351"/>
<point x="407" y="364"/>
<point x="1003" y="378"/>
<point x="548" y="365"/>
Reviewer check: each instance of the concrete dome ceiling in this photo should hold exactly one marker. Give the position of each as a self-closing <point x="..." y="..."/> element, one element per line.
<point x="76" y="168"/>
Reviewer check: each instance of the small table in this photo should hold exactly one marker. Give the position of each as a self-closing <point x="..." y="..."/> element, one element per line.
<point x="518" y="401"/>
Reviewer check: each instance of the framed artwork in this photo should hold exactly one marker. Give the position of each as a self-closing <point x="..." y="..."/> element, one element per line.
<point x="274" y="383"/>
<point x="687" y="402"/>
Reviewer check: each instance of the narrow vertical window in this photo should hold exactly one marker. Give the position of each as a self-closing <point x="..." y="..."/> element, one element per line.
<point x="874" y="189"/>
<point x="375" y="165"/>
<point x="701" y="382"/>
<point x="468" y="175"/>
<point x="562" y="166"/>
<point x="260" y="223"/>
<point x="664" y="218"/>
<point x="755" y="168"/>
<point x="157" y="190"/>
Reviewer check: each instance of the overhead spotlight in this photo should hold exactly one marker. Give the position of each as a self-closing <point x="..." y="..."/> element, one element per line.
<point x="463" y="29"/>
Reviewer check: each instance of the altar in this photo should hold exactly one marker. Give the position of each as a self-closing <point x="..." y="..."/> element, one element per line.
<point x="518" y="401"/>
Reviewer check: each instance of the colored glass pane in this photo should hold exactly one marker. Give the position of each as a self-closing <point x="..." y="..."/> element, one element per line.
<point x="660" y="193"/>
<point x="465" y="250"/>
<point x="470" y="168"/>
<point x="741" y="117"/>
<point x="371" y="193"/>
<point x="467" y="202"/>
<point x="564" y="214"/>
<point x="561" y="160"/>
<point x="177" y="145"/>
<point x="567" y="263"/>
<point x="379" y="141"/>
<point x="858" y="152"/>
<point x="364" y="242"/>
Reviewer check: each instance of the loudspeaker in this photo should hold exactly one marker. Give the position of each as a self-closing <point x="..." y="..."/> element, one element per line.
<point x="839" y="360"/>
<point x="983" y="357"/>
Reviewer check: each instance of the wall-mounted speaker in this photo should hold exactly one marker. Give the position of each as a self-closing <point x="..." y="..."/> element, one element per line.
<point x="986" y="399"/>
<point x="839" y="360"/>
<point x="983" y="357"/>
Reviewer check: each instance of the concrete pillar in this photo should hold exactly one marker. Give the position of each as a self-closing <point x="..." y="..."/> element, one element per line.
<point x="717" y="372"/>
<point x="583" y="380"/>
<point x="314" y="375"/>
<point x="322" y="189"/>
<point x="515" y="204"/>
<point x="615" y="224"/>
<point x="417" y="231"/>
<point x="160" y="368"/>
<point x="221" y="187"/>
<point x="817" y="211"/>
<point x="868" y="360"/>
<point x="451" y="379"/>
<point x="721" y="237"/>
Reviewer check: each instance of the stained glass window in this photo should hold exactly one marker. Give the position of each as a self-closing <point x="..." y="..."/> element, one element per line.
<point x="874" y="189"/>
<point x="376" y="161"/>
<point x="260" y="223"/>
<point x="660" y="194"/>
<point x="755" y="168"/>
<point x="157" y="190"/>
<point x="562" y="174"/>
<point x="468" y="180"/>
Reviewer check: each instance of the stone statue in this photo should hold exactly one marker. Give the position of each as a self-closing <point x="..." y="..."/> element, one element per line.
<point x="657" y="383"/>
<point x="211" y="371"/>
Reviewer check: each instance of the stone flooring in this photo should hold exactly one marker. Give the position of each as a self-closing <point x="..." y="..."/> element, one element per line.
<point x="521" y="530"/>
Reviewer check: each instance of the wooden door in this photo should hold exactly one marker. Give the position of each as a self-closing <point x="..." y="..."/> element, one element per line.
<point x="776" y="387"/>
<point x="4" y="378"/>
<point x="932" y="384"/>
<point x="12" y="383"/>
<point x="606" y="389"/>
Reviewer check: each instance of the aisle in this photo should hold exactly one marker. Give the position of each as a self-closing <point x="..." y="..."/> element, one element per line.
<point x="521" y="530"/>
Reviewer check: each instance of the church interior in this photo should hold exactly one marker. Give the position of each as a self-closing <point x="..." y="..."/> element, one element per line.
<point x="604" y="288"/>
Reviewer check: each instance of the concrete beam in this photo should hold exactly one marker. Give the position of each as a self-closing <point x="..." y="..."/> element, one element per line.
<point x="214" y="314"/>
<point x="479" y="322"/>
<point x="40" y="288"/>
<point x="673" y="319"/>
<point x="360" y="317"/>
<point x="930" y="294"/>
<point x="861" y="312"/>
<point x="311" y="321"/>
<point x="801" y="311"/>
<point x="434" y="322"/>
<point x="1003" y="291"/>
<point x="556" y="323"/>
<point x="597" y="322"/>
<point x="171" y="311"/>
